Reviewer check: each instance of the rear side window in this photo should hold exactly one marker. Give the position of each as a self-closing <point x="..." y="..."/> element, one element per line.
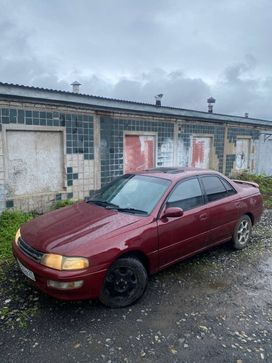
<point x="186" y="195"/>
<point x="214" y="188"/>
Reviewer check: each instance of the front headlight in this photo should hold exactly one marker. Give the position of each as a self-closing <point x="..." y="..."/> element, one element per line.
<point x="17" y="236"/>
<point x="59" y="262"/>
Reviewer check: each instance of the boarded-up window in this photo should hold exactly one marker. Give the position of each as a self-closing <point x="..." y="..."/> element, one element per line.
<point x="35" y="162"/>
<point x="242" y="153"/>
<point x="200" y="152"/>
<point x="139" y="152"/>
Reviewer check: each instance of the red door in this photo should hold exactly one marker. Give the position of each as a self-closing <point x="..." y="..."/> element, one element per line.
<point x="201" y="152"/>
<point x="139" y="152"/>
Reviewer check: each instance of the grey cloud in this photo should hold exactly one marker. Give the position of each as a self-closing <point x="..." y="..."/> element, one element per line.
<point x="239" y="91"/>
<point x="234" y="93"/>
<point x="178" y="90"/>
<point x="134" y="50"/>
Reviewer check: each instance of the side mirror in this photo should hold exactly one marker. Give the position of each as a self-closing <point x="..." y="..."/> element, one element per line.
<point x="172" y="212"/>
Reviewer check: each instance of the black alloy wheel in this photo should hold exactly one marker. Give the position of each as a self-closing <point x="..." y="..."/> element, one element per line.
<point x="124" y="283"/>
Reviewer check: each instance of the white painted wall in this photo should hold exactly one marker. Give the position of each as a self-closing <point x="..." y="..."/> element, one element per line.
<point x="182" y="154"/>
<point x="166" y="153"/>
<point x="34" y="162"/>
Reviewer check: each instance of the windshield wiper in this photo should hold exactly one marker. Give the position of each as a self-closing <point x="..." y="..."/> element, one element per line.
<point x="109" y="205"/>
<point x="103" y="203"/>
<point x="132" y="210"/>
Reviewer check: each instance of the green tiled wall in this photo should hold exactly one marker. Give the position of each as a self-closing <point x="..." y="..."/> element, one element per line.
<point x="112" y="131"/>
<point x="79" y="127"/>
<point x="218" y="133"/>
<point x="233" y="133"/>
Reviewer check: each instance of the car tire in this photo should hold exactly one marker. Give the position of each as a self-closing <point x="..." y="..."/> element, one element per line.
<point x="242" y="232"/>
<point x="125" y="283"/>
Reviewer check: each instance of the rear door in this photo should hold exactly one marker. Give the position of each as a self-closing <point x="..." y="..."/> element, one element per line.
<point x="181" y="236"/>
<point x="223" y="206"/>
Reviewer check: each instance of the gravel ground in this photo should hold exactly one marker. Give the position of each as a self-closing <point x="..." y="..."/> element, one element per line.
<point x="215" y="307"/>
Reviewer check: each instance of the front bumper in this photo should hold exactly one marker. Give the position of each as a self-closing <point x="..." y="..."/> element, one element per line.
<point x="92" y="280"/>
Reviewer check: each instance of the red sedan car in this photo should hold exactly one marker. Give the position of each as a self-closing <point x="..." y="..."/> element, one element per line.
<point x="106" y="246"/>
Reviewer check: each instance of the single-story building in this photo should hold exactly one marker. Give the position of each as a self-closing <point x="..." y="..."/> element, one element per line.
<point x="56" y="145"/>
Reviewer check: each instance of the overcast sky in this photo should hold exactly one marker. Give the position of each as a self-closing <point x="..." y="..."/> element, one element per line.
<point x="187" y="50"/>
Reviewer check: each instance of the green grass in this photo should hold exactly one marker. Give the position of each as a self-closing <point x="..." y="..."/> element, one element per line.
<point x="265" y="184"/>
<point x="10" y="221"/>
<point x="62" y="203"/>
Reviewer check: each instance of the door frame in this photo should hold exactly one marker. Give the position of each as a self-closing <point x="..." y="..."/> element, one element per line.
<point x="140" y="133"/>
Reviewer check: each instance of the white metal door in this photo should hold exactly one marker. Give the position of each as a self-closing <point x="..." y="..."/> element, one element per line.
<point x="35" y="162"/>
<point x="242" y="153"/>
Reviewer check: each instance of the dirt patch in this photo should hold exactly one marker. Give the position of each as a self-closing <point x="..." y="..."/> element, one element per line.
<point x="214" y="307"/>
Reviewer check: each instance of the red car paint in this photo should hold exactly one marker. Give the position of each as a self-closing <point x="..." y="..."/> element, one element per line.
<point x="103" y="235"/>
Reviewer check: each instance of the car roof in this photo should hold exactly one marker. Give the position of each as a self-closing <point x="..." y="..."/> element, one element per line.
<point x="175" y="173"/>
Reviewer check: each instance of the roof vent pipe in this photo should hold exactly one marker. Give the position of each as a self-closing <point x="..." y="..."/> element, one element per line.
<point x="75" y="86"/>
<point x="246" y="114"/>
<point x="210" y="102"/>
<point x="158" y="99"/>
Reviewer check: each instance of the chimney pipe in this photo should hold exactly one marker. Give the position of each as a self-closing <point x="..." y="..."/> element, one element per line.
<point x="75" y="85"/>
<point x="210" y="102"/>
<point x="246" y="114"/>
<point x="158" y="99"/>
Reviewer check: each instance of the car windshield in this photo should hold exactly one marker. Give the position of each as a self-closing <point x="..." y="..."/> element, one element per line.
<point x="136" y="194"/>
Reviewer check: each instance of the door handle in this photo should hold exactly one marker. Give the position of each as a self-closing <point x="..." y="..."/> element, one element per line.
<point x="203" y="217"/>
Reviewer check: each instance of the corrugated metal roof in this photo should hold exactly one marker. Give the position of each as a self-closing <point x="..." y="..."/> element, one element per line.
<point x="36" y="93"/>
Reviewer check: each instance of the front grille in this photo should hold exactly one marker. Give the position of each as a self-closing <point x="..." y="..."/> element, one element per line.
<point x="29" y="251"/>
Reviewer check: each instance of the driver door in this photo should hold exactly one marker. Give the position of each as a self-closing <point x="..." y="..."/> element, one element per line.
<point x="182" y="236"/>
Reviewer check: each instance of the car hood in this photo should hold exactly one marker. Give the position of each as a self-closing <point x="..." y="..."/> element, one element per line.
<point x="68" y="228"/>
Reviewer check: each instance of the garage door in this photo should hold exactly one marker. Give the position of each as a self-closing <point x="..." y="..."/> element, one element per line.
<point x="139" y="152"/>
<point x="242" y="153"/>
<point x="35" y="162"/>
<point x="264" y="165"/>
<point x="200" y="152"/>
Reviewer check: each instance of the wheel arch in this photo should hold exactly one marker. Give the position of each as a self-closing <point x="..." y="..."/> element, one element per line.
<point x="251" y="216"/>
<point x="139" y="255"/>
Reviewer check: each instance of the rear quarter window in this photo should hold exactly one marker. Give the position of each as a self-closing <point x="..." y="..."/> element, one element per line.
<point x="229" y="187"/>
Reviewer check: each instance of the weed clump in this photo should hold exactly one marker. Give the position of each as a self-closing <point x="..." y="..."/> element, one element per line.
<point x="10" y="221"/>
<point x="62" y="203"/>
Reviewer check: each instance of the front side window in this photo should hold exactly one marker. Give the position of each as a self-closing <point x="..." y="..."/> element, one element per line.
<point x="214" y="188"/>
<point x="186" y="195"/>
<point x="137" y="194"/>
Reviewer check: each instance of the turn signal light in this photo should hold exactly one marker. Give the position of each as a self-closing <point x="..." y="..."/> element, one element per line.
<point x="59" y="262"/>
